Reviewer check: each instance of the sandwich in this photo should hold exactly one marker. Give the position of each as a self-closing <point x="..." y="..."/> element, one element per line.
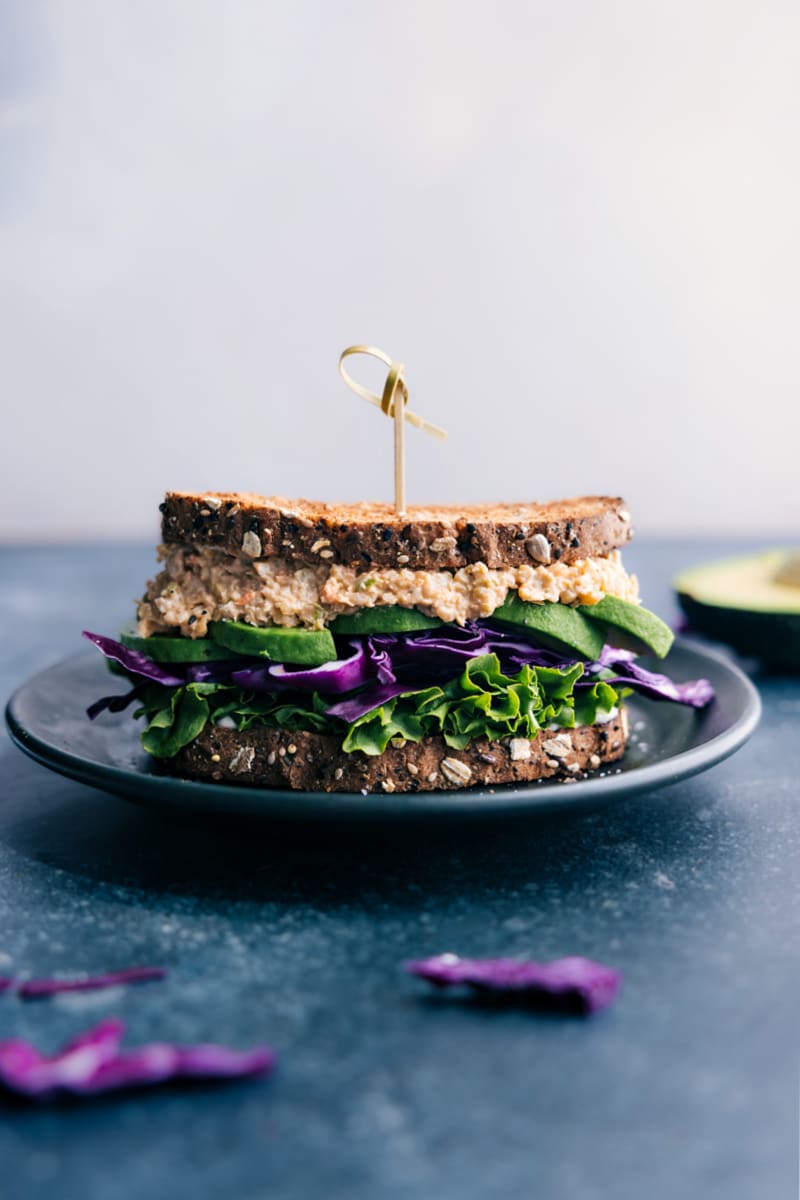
<point x="335" y="647"/>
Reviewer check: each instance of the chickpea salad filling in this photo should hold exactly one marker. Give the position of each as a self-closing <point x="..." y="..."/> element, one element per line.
<point x="198" y="586"/>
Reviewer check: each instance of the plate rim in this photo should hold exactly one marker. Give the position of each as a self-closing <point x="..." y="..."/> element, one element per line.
<point x="279" y="803"/>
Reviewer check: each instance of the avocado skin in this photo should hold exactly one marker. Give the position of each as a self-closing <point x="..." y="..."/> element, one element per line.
<point x="556" y="625"/>
<point x="773" y="637"/>
<point x="389" y="619"/>
<point x="306" y="647"/>
<point x="630" y="627"/>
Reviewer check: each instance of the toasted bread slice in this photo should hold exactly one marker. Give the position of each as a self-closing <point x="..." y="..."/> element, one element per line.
<point x="364" y="535"/>
<point x="302" y="761"/>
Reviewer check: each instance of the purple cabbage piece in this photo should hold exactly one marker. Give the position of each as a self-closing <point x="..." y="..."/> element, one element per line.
<point x="569" y="983"/>
<point x="356" y="706"/>
<point x="5" y="983"/>
<point x="208" y="672"/>
<point x="696" y="692"/>
<point x="160" y="1062"/>
<point x="341" y="675"/>
<point x="32" y="989"/>
<point x="24" y="1070"/>
<point x="132" y="660"/>
<point x="94" y="1063"/>
<point x="381" y="659"/>
<point x="114" y="704"/>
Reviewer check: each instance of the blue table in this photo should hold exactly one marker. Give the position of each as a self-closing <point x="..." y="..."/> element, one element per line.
<point x="687" y="1087"/>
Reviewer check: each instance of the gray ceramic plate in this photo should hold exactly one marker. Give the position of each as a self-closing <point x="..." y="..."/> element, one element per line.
<point x="47" y="720"/>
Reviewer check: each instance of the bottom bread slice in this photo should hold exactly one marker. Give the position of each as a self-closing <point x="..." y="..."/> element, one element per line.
<point x="303" y="761"/>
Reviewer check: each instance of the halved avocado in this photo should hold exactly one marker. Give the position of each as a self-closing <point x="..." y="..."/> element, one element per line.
<point x="556" y="626"/>
<point x="752" y="603"/>
<point x="164" y="647"/>
<point x="307" y="647"/>
<point x="630" y="627"/>
<point x="389" y="619"/>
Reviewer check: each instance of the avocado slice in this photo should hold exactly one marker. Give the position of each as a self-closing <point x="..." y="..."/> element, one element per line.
<point x="556" y="626"/>
<point x="630" y="627"/>
<point x="307" y="647"/>
<point x="165" y="647"/>
<point x="389" y="619"/>
<point x="752" y="603"/>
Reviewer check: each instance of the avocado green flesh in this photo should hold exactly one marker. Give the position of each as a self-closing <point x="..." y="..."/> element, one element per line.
<point x="306" y="647"/>
<point x="389" y="619"/>
<point x="746" y="583"/>
<point x="164" y="648"/>
<point x="738" y="601"/>
<point x="630" y="627"/>
<point x="555" y="625"/>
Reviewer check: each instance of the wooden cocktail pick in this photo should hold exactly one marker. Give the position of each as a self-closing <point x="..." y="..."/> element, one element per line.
<point x="393" y="402"/>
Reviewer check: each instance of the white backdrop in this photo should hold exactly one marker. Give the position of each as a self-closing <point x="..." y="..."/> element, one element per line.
<point x="576" y="223"/>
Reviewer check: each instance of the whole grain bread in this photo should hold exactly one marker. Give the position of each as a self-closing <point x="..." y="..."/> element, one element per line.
<point x="274" y="758"/>
<point x="366" y="534"/>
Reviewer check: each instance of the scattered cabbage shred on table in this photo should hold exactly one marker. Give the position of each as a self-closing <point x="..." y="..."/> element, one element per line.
<point x="572" y="984"/>
<point x="32" y="989"/>
<point x="94" y="1062"/>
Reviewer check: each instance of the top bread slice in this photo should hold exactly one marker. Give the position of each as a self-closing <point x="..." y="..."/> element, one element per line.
<point x="367" y="534"/>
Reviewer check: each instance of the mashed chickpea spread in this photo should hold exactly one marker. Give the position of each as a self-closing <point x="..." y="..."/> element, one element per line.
<point x="198" y="586"/>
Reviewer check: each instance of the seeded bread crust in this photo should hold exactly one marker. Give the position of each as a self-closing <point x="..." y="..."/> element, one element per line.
<point x="301" y="761"/>
<point x="364" y="535"/>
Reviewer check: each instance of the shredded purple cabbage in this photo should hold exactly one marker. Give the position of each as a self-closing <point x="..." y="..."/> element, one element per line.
<point x="207" y="672"/>
<point x="31" y="989"/>
<point x="5" y="983"/>
<point x="569" y="983"/>
<point x="94" y="1062"/>
<point x="444" y="649"/>
<point x="132" y="660"/>
<point x="696" y="692"/>
<point x="341" y="675"/>
<point x="114" y="704"/>
<point x="356" y="706"/>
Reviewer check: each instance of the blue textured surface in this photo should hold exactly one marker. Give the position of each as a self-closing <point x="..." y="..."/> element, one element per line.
<point x="688" y="1086"/>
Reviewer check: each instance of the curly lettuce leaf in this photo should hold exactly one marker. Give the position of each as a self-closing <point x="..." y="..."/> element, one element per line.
<point x="481" y="702"/>
<point x="600" y="698"/>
